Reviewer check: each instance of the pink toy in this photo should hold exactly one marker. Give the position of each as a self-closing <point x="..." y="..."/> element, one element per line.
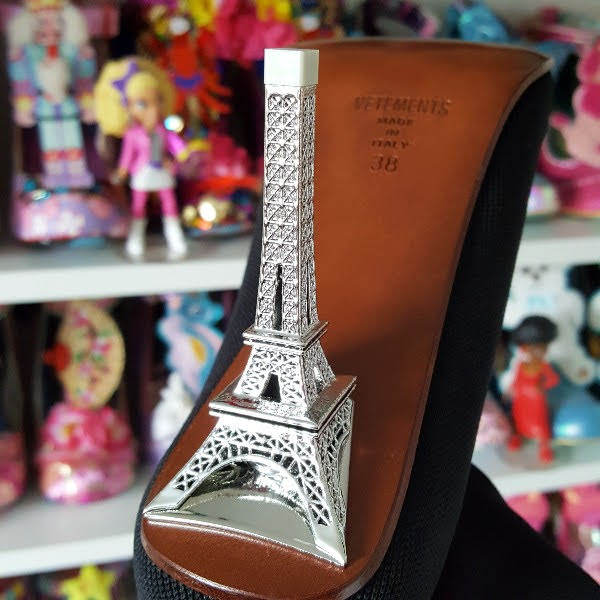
<point x="543" y="198"/>
<point x="241" y="36"/>
<point x="494" y="428"/>
<point x="533" y="508"/>
<point x="578" y="175"/>
<point x="579" y="530"/>
<point x="87" y="451"/>
<point x="132" y="98"/>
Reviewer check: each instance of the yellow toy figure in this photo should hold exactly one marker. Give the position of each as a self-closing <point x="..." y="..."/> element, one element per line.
<point x="90" y="584"/>
<point x="132" y="98"/>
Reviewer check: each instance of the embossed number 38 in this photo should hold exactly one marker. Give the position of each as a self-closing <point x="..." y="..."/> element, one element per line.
<point x="386" y="164"/>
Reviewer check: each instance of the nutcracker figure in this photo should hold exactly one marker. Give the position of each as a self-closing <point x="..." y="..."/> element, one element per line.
<point x="52" y="68"/>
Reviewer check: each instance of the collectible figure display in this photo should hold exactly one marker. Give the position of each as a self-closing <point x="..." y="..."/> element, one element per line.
<point x="217" y="187"/>
<point x="544" y="290"/>
<point x="57" y="192"/>
<point x="86" y="448"/>
<point x="533" y="377"/>
<point x="571" y="153"/>
<point x="188" y="330"/>
<point x="132" y="98"/>
<point x="221" y="200"/>
<point x="185" y="50"/>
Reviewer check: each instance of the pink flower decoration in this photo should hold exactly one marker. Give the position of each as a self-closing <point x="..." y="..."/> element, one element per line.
<point x="240" y="36"/>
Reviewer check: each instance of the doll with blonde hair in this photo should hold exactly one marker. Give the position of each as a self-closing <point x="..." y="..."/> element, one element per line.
<point x="132" y="97"/>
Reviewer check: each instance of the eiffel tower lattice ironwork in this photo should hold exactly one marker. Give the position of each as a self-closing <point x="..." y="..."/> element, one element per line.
<point x="281" y="445"/>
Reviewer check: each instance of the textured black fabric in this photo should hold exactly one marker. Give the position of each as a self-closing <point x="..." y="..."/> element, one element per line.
<point x="427" y="524"/>
<point x="496" y="555"/>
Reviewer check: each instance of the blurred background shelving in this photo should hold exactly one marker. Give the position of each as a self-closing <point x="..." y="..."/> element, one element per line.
<point x="38" y="536"/>
<point x="33" y="274"/>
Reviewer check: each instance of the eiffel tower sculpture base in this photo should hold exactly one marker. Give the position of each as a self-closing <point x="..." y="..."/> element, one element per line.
<point x="260" y="472"/>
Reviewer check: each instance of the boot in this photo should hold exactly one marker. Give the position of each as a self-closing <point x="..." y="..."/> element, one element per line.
<point x="174" y="236"/>
<point x="136" y="240"/>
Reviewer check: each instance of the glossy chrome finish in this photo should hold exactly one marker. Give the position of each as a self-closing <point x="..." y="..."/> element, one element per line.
<point x="276" y="464"/>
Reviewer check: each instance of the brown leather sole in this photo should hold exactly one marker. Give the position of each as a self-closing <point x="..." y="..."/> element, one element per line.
<point x="404" y="134"/>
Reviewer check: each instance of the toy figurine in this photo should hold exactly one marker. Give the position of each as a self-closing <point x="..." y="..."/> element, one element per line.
<point x="578" y="533"/>
<point x="169" y="415"/>
<point x="188" y="329"/>
<point x="534" y="376"/>
<point x="52" y="68"/>
<point x="189" y="332"/>
<point x="544" y="290"/>
<point x="89" y="582"/>
<point x="220" y="202"/>
<point x="56" y="195"/>
<point x="187" y="54"/>
<point x="571" y="152"/>
<point x="132" y="97"/>
<point x="86" y="448"/>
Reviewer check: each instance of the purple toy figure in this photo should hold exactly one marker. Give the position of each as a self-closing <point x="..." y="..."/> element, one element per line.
<point x="132" y="97"/>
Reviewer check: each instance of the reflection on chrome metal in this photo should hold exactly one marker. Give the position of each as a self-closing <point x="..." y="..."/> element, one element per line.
<point x="276" y="464"/>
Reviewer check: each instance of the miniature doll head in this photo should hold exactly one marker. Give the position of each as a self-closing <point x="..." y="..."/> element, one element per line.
<point x="48" y="24"/>
<point x="533" y="336"/>
<point x="132" y="91"/>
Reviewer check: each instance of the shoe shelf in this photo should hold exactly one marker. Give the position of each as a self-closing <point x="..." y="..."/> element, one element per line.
<point x="520" y="473"/>
<point x="561" y="241"/>
<point x="38" y="536"/>
<point x="37" y="274"/>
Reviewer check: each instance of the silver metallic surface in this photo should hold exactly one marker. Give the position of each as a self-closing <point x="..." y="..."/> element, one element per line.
<point x="276" y="464"/>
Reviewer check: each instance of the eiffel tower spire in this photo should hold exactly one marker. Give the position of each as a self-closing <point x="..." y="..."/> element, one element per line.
<point x="285" y="423"/>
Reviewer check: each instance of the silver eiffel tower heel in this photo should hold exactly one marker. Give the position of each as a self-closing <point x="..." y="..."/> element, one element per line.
<point x="276" y="464"/>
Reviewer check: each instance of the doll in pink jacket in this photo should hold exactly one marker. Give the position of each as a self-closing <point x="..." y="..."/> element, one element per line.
<point x="132" y="97"/>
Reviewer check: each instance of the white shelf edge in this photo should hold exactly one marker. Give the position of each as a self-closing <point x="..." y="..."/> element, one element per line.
<point x="56" y="557"/>
<point x="61" y="273"/>
<point x="573" y="465"/>
<point x="37" y="536"/>
<point x="560" y="241"/>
